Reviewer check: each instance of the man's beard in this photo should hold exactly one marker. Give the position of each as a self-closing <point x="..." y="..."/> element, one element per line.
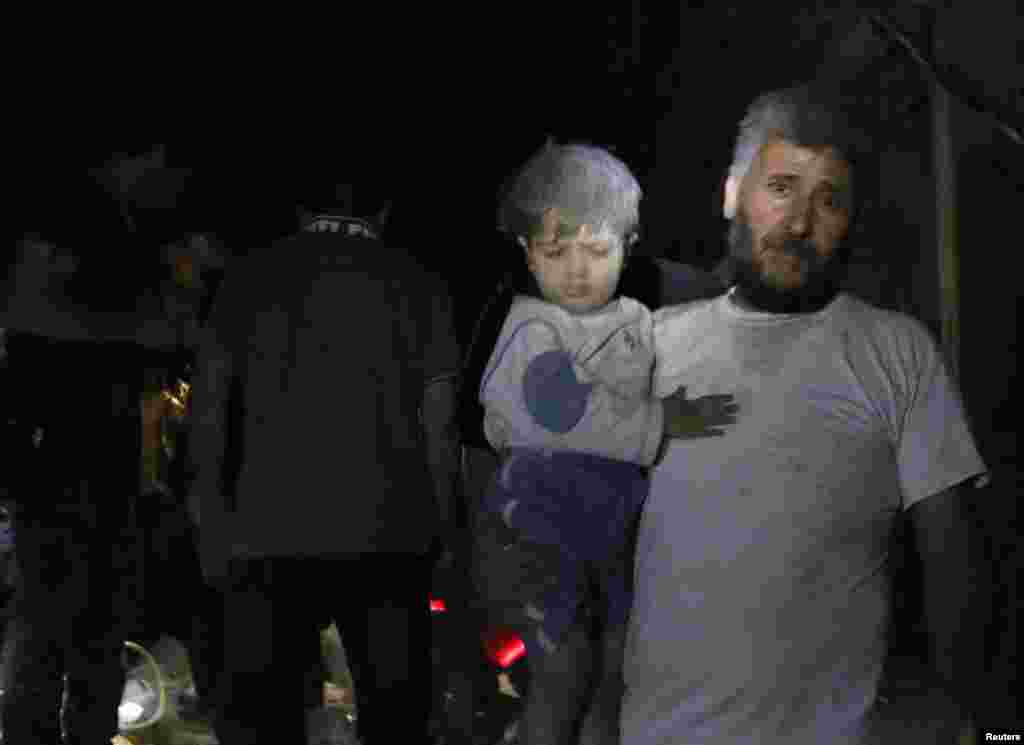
<point x="822" y="277"/>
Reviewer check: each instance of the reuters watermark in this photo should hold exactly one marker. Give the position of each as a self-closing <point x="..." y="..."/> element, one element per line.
<point x="991" y="736"/>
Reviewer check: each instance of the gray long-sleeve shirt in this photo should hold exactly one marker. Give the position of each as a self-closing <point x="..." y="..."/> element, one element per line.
<point x="574" y="382"/>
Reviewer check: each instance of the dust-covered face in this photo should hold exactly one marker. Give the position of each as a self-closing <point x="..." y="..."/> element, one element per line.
<point x="575" y="268"/>
<point x="793" y="213"/>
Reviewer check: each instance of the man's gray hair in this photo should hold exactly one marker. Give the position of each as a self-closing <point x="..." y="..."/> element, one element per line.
<point x="803" y="115"/>
<point x="587" y="184"/>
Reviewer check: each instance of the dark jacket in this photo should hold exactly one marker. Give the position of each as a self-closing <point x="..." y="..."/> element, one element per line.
<point x="306" y="434"/>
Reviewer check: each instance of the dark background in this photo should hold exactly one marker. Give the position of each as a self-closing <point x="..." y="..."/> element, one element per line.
<point x="434" y="108"/>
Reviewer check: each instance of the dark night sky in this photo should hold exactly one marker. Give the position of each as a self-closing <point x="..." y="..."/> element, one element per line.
<point x="436" y="110"/>
<point x="436" y="116"/>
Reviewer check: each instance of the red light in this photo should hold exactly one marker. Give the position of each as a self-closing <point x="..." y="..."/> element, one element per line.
<point x="437" y="606"/>
<point x="503" y="647"/>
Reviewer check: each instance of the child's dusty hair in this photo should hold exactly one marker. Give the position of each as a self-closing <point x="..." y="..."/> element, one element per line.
<point x="587" y="184"/>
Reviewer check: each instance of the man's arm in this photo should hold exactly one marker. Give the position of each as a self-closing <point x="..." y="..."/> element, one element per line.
<point x="211" y="395"/>
<point x="438" y="411"/>
<point x="442" y="446"/>
<point x="956" y="590"/>
<point x="209" y="425"/>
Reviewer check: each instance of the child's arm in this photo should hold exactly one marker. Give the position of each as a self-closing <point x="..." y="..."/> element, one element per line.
<point x="534" y="396"/>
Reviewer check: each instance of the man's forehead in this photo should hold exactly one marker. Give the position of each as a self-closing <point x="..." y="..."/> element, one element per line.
<point x="781" y="156"/>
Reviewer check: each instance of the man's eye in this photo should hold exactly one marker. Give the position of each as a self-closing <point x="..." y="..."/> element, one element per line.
<point x="779" y="188"/>
<point x="600" y="251"/>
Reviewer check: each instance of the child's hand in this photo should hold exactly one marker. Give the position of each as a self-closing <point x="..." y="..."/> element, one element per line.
<point x="699" y="417"/>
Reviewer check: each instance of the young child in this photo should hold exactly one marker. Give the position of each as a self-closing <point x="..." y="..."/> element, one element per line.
<point x="567" y="390"/>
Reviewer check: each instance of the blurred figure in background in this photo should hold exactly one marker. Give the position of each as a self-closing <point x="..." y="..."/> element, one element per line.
<point x="191" y="614"/>
<point x="83" y="321"/>
<point x="84" y="317"/>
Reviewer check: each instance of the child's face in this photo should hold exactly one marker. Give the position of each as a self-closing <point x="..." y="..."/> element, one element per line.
<point x="578" y="271"/>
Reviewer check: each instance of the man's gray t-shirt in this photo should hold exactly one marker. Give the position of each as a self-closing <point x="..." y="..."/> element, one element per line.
<point x="761" y="590"/>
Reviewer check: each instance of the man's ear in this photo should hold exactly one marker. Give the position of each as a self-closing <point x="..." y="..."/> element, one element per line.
<point x="525" y="245"/>
<point x="628" y="246"/>
<point x="731" y="197"/>
<point x="380" y="220"/>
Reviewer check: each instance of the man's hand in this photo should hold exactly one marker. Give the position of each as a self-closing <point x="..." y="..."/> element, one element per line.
<point x="969" y="734"/>
<point x="699" y="417"/>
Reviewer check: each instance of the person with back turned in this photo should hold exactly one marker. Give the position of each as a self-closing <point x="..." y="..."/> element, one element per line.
<point x="323" y="399"/>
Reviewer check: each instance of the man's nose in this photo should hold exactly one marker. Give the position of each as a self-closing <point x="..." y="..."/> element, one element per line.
<point x="801" y="218"/>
